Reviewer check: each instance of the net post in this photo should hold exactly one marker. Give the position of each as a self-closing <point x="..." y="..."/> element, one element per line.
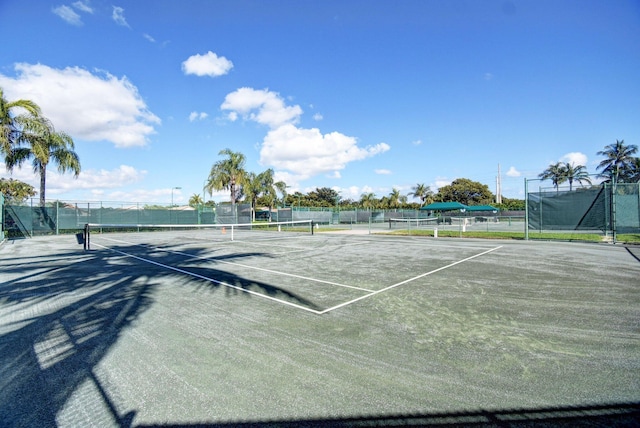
<point x="86" y="237"/>
<point x="312" y="227"/>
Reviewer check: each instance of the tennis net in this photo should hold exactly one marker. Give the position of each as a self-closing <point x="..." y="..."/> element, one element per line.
<point x="412" y="223"/>
<point x="208" y="232"/>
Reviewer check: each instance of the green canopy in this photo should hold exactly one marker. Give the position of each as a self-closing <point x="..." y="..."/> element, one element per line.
<point x="481" y="208"/>
<point x="445" y="206"/>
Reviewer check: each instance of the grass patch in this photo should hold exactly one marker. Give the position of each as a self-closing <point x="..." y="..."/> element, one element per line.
<point x="547" y="236"/>
<point x="629" y="238"/>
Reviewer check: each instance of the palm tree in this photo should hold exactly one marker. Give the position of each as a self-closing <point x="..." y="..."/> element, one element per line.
<point x="262" y="186"/>
<point x="195" y="200"/>
<point x="619" y="162"/>
<point x="281" y="187"/>
<point x="9" y="129"/>
<point x="368" y="200"/>
<point x="578" y="174"/>
<point x="634" y="175"/>
<point x="251" y="191"/>
<point x="228" y="174"/>
<point x="556" y="173"/>
<point x="394" y="198"/>
<point x="421" y="191"/>
<point x="269" y="188"/>
<point x="39" y="141"/>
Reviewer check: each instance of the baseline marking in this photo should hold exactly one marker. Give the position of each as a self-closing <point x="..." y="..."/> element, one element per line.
<point x="341" y="305"/>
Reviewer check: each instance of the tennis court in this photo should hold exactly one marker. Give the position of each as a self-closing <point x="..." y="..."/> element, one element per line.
<point x="187" y="327"/>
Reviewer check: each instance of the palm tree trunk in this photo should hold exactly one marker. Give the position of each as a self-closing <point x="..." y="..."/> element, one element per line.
<point x="232" y="188"/>
<point x="43" y="179"/>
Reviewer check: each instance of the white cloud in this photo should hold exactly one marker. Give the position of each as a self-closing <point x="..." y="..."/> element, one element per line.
<point x="513" y="172"/>
<point x="441" y="182"/>
<point x="93" y="180"/>
<point x="97" y="106"/>
<point x="118" y="16"/>
<point x="208" y="64"/>
<point x="83" y="6"/>
<point x="148" y="37"/>
<point x="308" y="152"/>
<point x="261" y="106"/>
<point x="194" y="115"/>
<point x="68" y="15"/>
<point x="416" y="142"/>
<point x="103" y="179"/>
<point x="317" y="117"/>
<point x="301" y="153"/>
<point x="575" y="158"/>
<point x="383" y="171"/>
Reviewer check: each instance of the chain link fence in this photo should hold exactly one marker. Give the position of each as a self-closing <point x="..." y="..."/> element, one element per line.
<point x="607" y="209"/>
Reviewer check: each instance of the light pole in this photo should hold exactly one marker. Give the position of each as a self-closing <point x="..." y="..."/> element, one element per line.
<point x="171" y="207"/>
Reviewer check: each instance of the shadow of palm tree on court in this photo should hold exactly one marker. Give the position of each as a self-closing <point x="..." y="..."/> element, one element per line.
<point x="60" y="314"/>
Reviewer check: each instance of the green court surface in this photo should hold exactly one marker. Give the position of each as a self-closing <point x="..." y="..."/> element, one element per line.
<point x="177" y="329"/>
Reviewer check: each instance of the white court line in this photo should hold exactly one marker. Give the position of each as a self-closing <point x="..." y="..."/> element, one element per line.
<point x="341" y="305"/>
<point x="195" y="275"/>
<point x="306" y="278"/>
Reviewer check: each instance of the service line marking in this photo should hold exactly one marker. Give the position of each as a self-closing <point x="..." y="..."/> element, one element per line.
<point x="215" y="281"/>
<point x="306" y="278"/>
<point x="373" y="293"/>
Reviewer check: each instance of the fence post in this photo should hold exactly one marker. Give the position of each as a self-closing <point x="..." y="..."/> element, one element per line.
<point x="613" y="207"/>
<point x="526" y="209"/>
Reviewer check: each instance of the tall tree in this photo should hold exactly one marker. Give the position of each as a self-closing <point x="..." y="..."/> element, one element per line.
<point x="9" y="112"/>
<point x="39" y="142"/>
<point x="324" y="197"/>
<point x="619" y="161"/>
<point x="422" y="192"/>
<point x="466" y="192"/>
<point x="576" y="174"/>
<point x="556" y="173"/>
<point x="228" y="174"/>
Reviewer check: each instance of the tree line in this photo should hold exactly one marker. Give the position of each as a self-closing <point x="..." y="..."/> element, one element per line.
<point x="618" y="166"/>
<point x="26" y="135"/>
<point x="260" y="190"/>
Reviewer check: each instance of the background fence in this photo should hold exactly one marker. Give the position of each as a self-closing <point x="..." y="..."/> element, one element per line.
<point x="604" y="209"/>
<point x="29" y="219"/>
<point x="607" y="209"/>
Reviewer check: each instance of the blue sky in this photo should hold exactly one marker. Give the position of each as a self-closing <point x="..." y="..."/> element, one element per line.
<point x="360" y="96"/>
